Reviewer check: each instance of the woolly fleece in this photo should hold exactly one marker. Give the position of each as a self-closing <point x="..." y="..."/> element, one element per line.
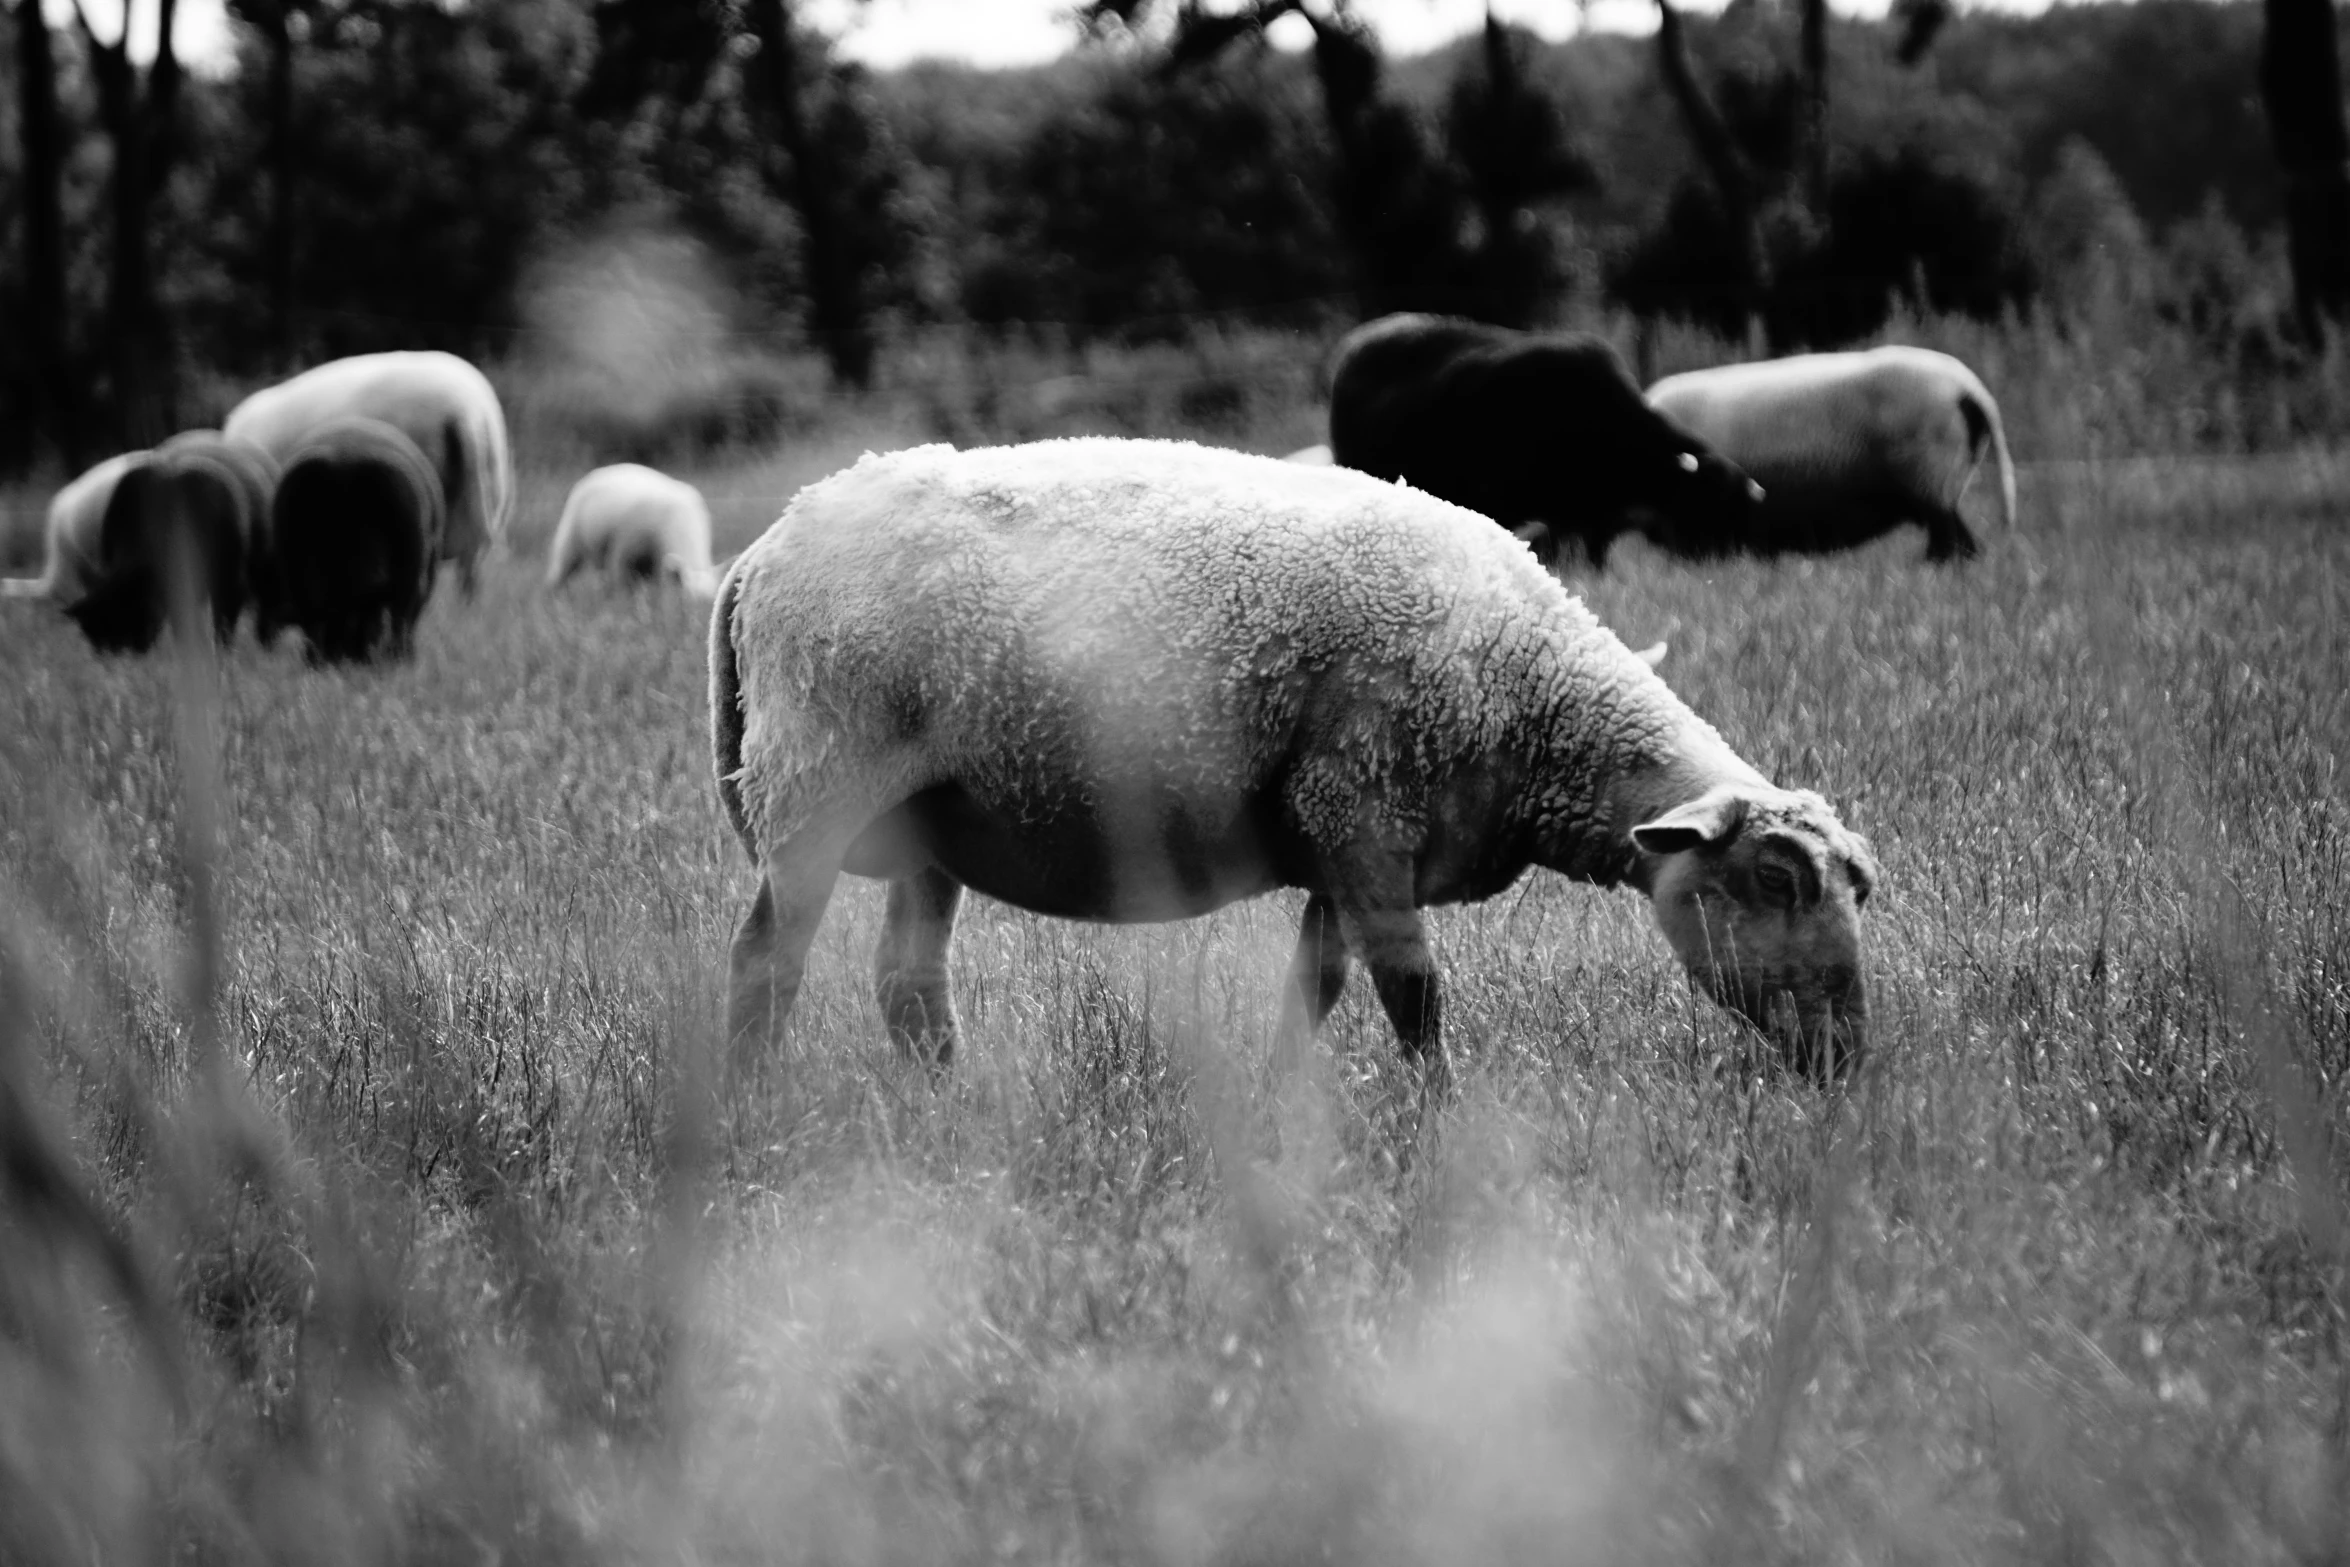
<point x="1165" y="622"/>
<point x="627" y="517"/>
<point x="1848" y="427"/>
<point x="439" y="401"/>
<point x="69" y="567"/>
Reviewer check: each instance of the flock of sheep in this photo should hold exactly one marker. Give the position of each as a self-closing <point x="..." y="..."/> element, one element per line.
<point x="329" y="503"/>
<point x="1136" y="680"/>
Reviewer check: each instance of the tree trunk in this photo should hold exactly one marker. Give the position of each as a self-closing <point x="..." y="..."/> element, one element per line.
<point x="1733" y="182"/>
<point x="44" y="323"/>
<point x="1815" y="106"/>
<point x="277" y="26"/>
<point x="836" y="316"/>
<point x="2301" y="84"/>
<point x="138" y="119"/>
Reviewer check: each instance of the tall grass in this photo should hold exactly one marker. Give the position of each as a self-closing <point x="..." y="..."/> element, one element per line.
<point x="458" y="1258"/>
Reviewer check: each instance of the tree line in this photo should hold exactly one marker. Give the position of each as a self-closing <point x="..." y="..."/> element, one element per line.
<point x="374" y="173"/>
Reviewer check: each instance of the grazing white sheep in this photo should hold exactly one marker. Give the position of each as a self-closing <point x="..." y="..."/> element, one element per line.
<point x="1312" y="456"/>
<point x="1136" y="680"/>
<point x="441" y="403"/>
<point x="634" y="521"/>
<point x="69" y="535"/>
<point x="1846" y="446"/>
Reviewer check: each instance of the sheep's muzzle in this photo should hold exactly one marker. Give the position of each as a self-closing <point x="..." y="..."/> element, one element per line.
<point x="1819" y="1030"/>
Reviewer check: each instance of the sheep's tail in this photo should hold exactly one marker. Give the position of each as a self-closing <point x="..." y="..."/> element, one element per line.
<point x="726" y="711"/>
<point x="563" y="556"/>
<point x="1982" y="423"/>
<point x="501" y="477"/>
<point x="494" y="467"/>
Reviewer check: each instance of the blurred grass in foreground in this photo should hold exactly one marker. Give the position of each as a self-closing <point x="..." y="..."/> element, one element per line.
<point x="425" y="1270"/>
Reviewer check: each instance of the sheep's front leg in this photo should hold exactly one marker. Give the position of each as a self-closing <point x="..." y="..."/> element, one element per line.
<point x="1403" y="971"/>
<point x="1382" y="924"/>
<point x="1317" y="973"/>
<point x="770" y="955"/>
<point x="910" y="966"/>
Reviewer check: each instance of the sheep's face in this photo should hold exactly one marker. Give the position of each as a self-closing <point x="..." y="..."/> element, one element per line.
<point x="1708" y="490"/>
<point x="699" y="582"/>
<point x="1760" y="893"/>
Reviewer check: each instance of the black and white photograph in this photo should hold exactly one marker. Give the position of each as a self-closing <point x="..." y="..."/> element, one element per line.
<point x="1174" y="783"/>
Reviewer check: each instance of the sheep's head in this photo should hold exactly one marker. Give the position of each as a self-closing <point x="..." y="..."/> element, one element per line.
<point x="699" y="582"/>
<point x="1709" y="492"/>
<point x="1704" y="494"/>
<point x="1760" y="891"/>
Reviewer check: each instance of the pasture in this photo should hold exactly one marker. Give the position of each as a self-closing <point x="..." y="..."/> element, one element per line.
<point x="445" y="1253"/>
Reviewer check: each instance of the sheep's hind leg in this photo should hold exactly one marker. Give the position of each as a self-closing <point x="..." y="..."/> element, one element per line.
<point x="770" y="954"/>
<point x="1317" y="973"/>
<point x="910" y="966"/>
<point x="1947" y="535"/>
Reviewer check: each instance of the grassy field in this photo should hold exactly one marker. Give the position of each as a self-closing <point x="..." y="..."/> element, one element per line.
<point x="350" y="1216"/>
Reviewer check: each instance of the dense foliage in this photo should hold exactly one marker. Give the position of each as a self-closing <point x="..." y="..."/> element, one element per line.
<point x="440" y="157"/>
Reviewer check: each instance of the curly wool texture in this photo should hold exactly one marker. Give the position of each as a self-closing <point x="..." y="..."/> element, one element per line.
<point x="1156" y="626"/>
<point x="1882" y="426"/>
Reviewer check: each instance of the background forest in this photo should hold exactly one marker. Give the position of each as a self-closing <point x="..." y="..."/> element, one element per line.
<point x="385" y="173"/>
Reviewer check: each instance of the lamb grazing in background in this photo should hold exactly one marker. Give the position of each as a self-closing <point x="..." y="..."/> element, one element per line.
<point x="1544" y="433"/>
<point x="1137" y="680"/>
<point x="441" y="403"/>
<point x="69" y="535"/>
<point x="116" y="534"/>
<point x="1846" y="446"/>
<point x="1312" y="456"/>
<point x="638" y="522"/>
<point x="355" y="537"/>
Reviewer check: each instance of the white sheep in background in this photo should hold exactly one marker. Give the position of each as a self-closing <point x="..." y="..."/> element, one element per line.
<point x="441" y="403"/>
<point x="114" y="535"/>
<point x="634" y="521"/>
<point x="1137" y="680"/>
<point x="69" y="535"/>
<point x="1846" y="447"/>
<point x="1312" y="456"/>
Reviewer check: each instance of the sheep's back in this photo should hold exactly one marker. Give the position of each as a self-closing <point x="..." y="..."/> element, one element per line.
<point x="1158" y="607"/>
<point x="70" y="529"/>
<point x="1839" y="420"/>
<point x="627" y="506"/>
<point x="427" y="395"/>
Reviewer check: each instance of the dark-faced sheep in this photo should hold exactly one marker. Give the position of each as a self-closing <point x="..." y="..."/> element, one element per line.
<point x="1545" y="434"/>
<point x="634" y="521"/>
<point x="1137" y="680"/>
<point x="1846" y="446"/>
<point x="146" y="531"/>
<point x="441" y="403"/>
<point x="354" y="541"/>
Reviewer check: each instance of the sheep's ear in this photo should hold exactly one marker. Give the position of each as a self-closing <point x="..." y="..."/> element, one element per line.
<point x="1710" y="818"/>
